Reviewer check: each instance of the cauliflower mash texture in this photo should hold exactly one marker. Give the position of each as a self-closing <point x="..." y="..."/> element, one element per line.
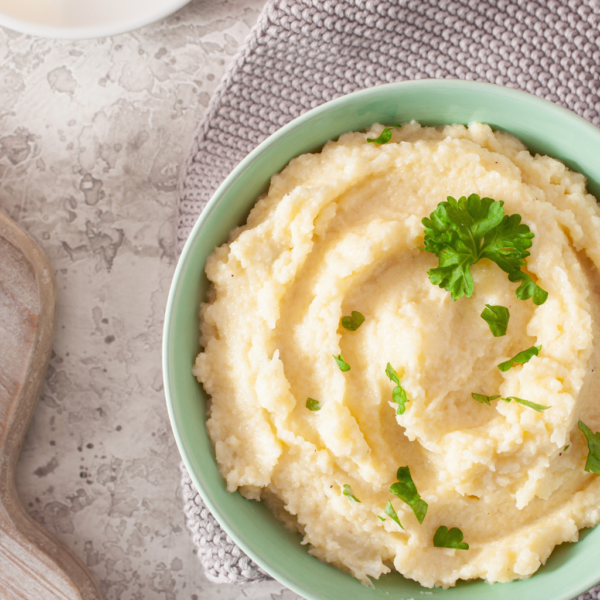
<point x="339" y="231"/>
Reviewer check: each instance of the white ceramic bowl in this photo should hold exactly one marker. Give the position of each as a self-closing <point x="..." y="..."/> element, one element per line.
<point x="82" y="19"/>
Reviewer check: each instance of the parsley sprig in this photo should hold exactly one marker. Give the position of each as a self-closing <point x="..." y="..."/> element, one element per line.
<point x="462" y="232"/>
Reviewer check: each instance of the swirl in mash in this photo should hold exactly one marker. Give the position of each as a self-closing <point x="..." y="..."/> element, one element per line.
<point x="339" y="231"/>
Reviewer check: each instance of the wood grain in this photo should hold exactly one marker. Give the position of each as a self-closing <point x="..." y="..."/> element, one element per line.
<point x="33" y="564"/>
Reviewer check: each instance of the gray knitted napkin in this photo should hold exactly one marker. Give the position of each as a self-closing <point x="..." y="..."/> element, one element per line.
<point x="305" y="52"/>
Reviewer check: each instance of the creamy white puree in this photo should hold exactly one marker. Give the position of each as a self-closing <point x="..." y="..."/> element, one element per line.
<point x="339" y="231"/>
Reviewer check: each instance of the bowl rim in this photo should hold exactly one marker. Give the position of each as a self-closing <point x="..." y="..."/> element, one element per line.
<point x="236" y="173"/>
<point x="87" y="32"/>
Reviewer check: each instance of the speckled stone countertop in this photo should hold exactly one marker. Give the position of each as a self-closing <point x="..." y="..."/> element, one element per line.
<point x="92" y="134"/>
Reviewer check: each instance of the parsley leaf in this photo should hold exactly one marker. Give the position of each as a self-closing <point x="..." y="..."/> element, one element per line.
<point x="380" y="518"/>
<point x="406" y="490"/>
<point x="400" y="398"/>
<point x="536" y="407"/>
<point x="481" y="398"/>
<point x="449" y="539"/>
<point x="354" y="322"/>
<point x="390" y="512"/>
<point x="391" y="373"/>
<point x="497" y="318"/>
<point x="347" y="491"/>
<point x="461" y="232"/>
<point x="385" y="136"/>
<point x="398" y="393"/>
<point x="527" y="289"/>
<point x="313" y="404"/>
<point x="341" y="363"/>
<point x="592" y="464"/>
<point x="521" y="358"/>
<point x="566" y="447"/>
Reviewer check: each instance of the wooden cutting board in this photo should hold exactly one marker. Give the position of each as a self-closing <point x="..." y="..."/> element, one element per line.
<point x="33" y="564"/>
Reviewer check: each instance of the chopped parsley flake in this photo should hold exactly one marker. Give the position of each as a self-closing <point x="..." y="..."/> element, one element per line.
<point x="452" y="538"/>
<point x="497" y="319"/>
<point x="347" y="491"/>
<point x="406" y="490"/>
<point x="521" y="358"/>
<point x="313" y="404"/>
<point x="592" y="464"/>
<point x="398" y="393"/>
<point x="385" y="136"/>
<point x="341" y="363"/>
<point x="353" y="322"/>
<point x="390" y="512"/>
<point x="536" y="407"/>
<point x="481" y="398"/>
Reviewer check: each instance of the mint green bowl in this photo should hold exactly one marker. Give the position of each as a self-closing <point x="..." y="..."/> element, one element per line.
<point x="544" y="128"/>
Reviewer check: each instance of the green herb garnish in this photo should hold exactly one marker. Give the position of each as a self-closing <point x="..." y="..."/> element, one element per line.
<point x="354" y="322"/>
<point x="527" y="289"/>
<point x="566" y="447"/>
<point x="390" y="512"/>
<point x="380" y="518"/>
<point x="592" y="464"/>
<point x="341" y="363"/>
<point x="398" y="393"/>
<point x="406" y="490"/>
<point x="461" y="232"/>
<point x="452" y="538"/>
<point x="536" y="407"/>
<point x="481" y="398"/>
<point x="385" y="136"/>
<point x="497" y="318"/>
<point x="521" y="358"/>
<point x="347" y="491"/>
<point x="313" y="404"/>
<point x="392" y="375"/>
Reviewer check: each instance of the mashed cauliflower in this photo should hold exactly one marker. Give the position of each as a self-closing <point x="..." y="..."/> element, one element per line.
<point x="339" y="231"/>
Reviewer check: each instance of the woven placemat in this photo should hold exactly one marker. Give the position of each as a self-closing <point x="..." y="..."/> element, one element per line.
<point x="303" y="53"/>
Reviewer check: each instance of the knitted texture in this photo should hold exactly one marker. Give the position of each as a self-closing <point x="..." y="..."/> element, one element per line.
<point x="305" y="52"/>
<point x="222" y="560"/>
